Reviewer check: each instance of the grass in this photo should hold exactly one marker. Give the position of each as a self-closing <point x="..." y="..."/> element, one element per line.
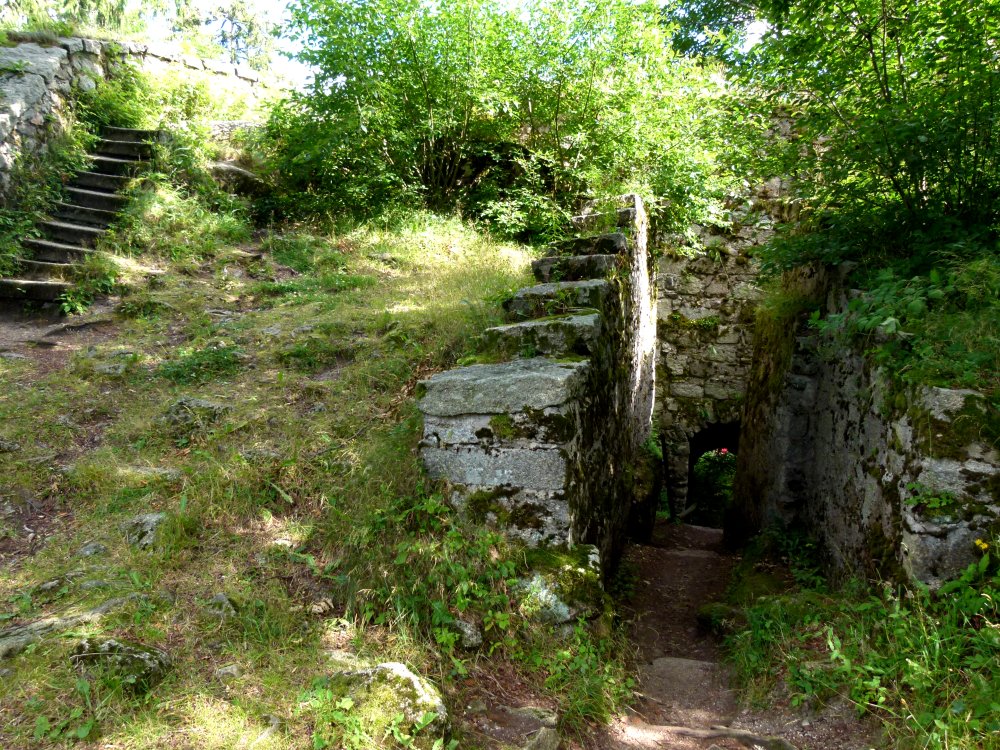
<point x="304" y="487"/>
<point x="926" y="664"/>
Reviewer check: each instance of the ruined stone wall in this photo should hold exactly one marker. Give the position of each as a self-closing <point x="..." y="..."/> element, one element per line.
<point x="890" y="480"/>
<point x="542" y="446"/>
<point x="705" y="304"/>
<point x="36" y="83"/>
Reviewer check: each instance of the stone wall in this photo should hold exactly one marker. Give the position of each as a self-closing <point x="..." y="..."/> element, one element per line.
<point x="542" y="446"/>
<point x="705" y="304"/>
<point x="890" y="480"/>
<point x="36" y="83"/>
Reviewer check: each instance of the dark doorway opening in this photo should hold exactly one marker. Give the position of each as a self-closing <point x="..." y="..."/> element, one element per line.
<point x="711" y="472"/>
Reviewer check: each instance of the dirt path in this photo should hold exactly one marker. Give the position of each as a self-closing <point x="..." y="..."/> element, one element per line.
<point x="684" y="685"/>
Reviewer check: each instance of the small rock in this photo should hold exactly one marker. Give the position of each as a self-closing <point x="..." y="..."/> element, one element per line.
<point x="6" y="672"/>
<point x="9" y="446"/>
<point x="92" y="549"/>
<point x="191" y="412"/>
<point x="541" y="601"/>
<point x="471" y="637"/>
<point x="228" y="673"/>
<point x="545" y="739"/>
<point x="303" y="329"/>
<point x="114" y="369"/>
<point x="274" y="725"/>
<point x="97" y="584"/>
<point x="141" y="531"/>
<point x="543" y="716"/>
<point x="12" y="355"/>
<point x="396" y="689"/>
<point x="271" y="331"/>
<point x="221" y="606"/>
<point x="478" y="706"/>
<point x="140" y="667"/>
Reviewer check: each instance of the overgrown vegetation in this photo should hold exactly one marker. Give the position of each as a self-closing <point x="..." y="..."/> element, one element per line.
<point x="510" y="115"/>
<point x="925" y="663"/>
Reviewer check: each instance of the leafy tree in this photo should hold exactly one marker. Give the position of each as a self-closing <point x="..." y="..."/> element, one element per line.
<point x="504" y="111"/>
<point x="896" y="102"/>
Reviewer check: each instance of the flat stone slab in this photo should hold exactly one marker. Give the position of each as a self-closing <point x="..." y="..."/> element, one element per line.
<point x="504" y="388"/>
<point x="558" y="298"/>
<point x="573" y="267"/>
<point x="564" y="334"/>
<point x="614" y="243"/>
<point x="537" y="469"/>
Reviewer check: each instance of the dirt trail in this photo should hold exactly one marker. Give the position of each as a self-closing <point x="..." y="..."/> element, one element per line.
<point x="685" y="686"/>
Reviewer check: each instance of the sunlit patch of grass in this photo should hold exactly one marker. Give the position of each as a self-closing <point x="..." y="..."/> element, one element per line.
<point x="319" y="430"/>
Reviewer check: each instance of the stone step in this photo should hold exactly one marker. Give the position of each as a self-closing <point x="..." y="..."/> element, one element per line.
<point x="131" y="134"/>
<point x="601" y="244"/>
<point x="131" y="150"/>
<point x="115" y="165"/>
<point x="55" y="252"/>
<point x="557" y="298"/>
<point x="503" y="388"/>
<point x="99" y="181"/>
<point x="71" y="234"/>
<point x="556" y="336"/>
<point x="32" y="289"/>
<point x="95" y="199"/>
<point x="75" y="214"/>
<point x="41" y="269"/>
<point x="623" y="217"/>
<point x="573" y="267"/>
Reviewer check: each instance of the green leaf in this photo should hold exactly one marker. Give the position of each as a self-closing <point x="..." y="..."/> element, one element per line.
<point x="42" y="727"/>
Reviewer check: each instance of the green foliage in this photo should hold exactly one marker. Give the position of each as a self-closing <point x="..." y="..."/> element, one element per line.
<point x="893" y="103"/>
<point x="95" y="277"/>
<point x="930" y="325"/>
<point x="711" y="488"/>
<point x="36" y="186"/>
<point x="926" y="663"/>
<point x="589" y="677"/>
<point x="509" y="114"/>
<point x="202" y="365"/>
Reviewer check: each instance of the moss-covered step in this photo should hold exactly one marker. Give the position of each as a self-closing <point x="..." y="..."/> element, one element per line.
<point x="614" y="243"/>
<point x="558" y="298"/>
<point x="555" y="336"/>
<point x="573" y="267"/>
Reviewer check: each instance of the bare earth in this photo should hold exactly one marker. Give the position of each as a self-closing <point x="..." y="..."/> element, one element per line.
<point x="684" y="685"/>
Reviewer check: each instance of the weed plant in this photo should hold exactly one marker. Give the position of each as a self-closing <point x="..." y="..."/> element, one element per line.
<point x="927" y="663"/>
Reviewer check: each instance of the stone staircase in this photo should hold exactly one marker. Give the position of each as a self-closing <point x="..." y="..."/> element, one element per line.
<point x="541" y="445"/>
<point x="91" y="203"/>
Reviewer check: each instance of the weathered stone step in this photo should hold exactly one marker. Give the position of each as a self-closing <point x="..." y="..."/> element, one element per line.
<point x="99" y="181"/>
<point x="560" y="335"/>
<point x="95" y="199"/>
<point x="115" y="165"/>
<point x="623" y="217"/>
<point x="573" y="267"/>
<point x="557" y="298"/>
<point x="32" y="289"/>
<point x="55" y="252"/>
<point x="131" y="150"/>
<point x="602" y="244"/>
<point x="131" y="134"/>
<point x="71" y="234"/>
<point x="75" y="214"/>
<point x="41" y="269"/>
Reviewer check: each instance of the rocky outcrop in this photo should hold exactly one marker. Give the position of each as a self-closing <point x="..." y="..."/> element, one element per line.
<point x="543" y="446"/>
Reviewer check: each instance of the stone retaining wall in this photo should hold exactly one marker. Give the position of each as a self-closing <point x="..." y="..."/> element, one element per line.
<point x="891" y="480"/>
<point x="36" y="83"/>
